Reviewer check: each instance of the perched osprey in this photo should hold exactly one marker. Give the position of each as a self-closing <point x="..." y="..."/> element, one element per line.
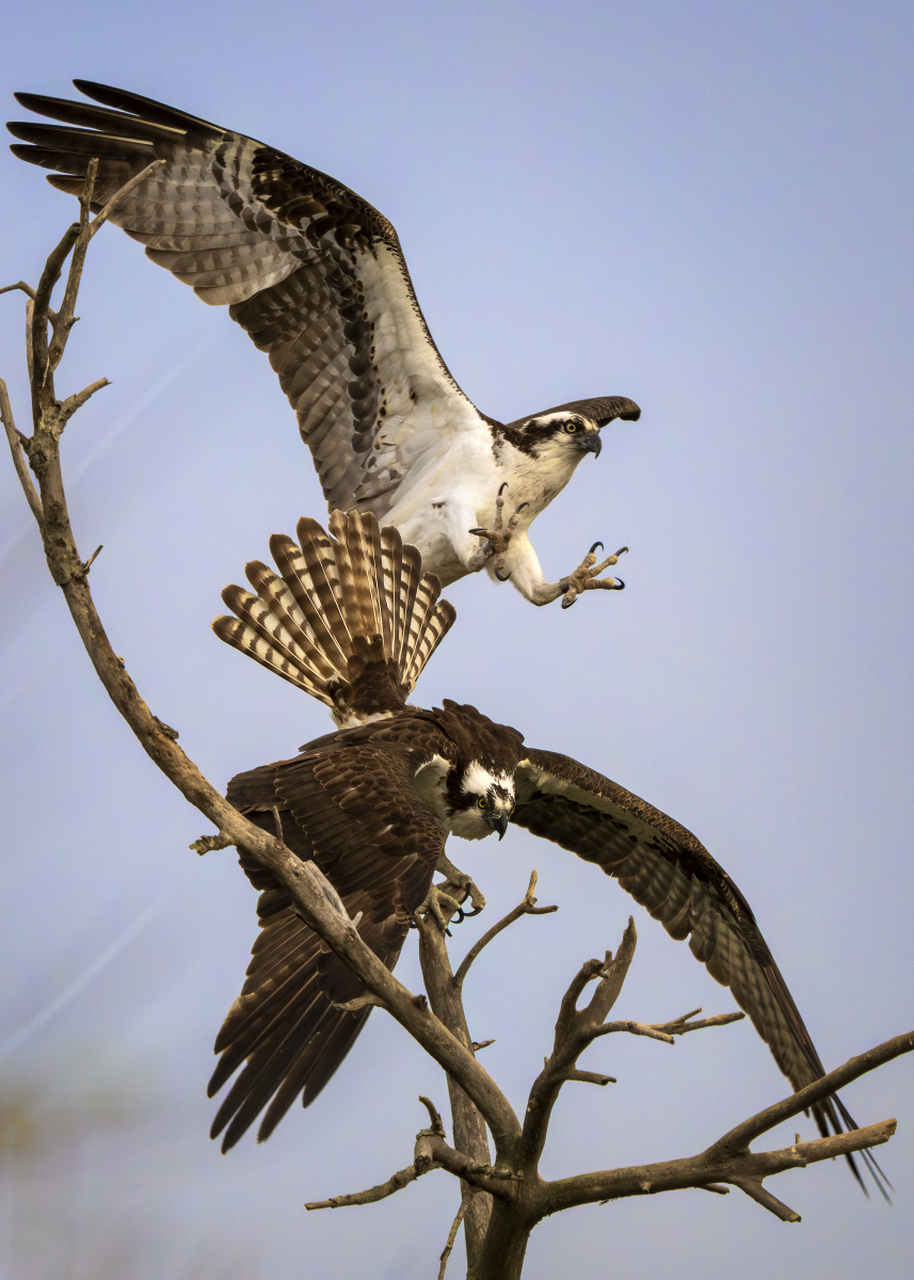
<point x="352" y="621"/>
<point x="316" y="276"/>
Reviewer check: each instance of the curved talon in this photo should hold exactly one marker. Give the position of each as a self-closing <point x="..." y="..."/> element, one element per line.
<point x="502" y="487"/>
<point x="594" y="547"/>
<point x="502" y="577"/>
<point x="465" y="915"/>
<point x="620" y="585"/>
<point x="621" y="551"/>
<point x="521" y="507"/>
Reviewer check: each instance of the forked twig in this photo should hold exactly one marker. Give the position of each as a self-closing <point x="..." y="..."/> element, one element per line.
<point x="526" y="908"/>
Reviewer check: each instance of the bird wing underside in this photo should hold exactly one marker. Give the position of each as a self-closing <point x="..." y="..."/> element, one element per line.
<point x="668" y="871"/>
<point x="355" y="812"/>
<point x="309" y="269"/>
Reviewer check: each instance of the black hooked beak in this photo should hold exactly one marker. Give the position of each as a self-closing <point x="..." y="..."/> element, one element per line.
<point x="590" y="442"/>
<point x="499" y="823"/>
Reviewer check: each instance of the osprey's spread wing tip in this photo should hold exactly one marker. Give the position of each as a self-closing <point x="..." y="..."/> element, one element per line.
<point x="667" y="870"/>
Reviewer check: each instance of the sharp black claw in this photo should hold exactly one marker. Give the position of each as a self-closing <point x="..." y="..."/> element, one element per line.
<point x="621" y="551"/>
<point x="594" y="547"/>
<point x="620" y="585"/>
<point x="521" y="507"/>
<point x="502" y="488"/>
<point x="474" y="912"/>
<point x="502" y="577"/>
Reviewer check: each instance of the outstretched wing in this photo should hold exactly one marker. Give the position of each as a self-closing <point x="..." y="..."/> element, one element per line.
<point x="353" y="809"/>
<point x="668" y="871"/>
<point x="309" y="269"/>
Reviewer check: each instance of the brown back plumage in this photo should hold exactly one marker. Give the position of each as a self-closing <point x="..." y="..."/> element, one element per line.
<point x="352" y="619"/>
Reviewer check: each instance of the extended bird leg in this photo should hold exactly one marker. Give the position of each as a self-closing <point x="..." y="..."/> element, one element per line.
<point x="445" y="900"/>
<point x="586" y="576"/>
<point x="497" y="539"/>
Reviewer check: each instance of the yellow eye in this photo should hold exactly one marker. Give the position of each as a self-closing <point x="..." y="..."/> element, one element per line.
<point x="571" y="427"/>
<point x="481" y="802"/>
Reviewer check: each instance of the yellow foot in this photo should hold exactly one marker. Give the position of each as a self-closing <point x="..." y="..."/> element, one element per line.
<point x="497" y="539"/>
<point x="586" y="576"/>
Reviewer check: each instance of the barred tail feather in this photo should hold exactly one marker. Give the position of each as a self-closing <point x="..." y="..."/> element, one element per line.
<point x="352" y="619"/>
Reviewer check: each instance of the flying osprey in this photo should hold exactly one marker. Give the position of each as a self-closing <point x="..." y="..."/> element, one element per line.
<point x="317" y="278"/>
<point x="352" y="621"/>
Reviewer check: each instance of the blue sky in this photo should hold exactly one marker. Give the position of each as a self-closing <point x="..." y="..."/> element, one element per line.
<point x="705" y="207"/>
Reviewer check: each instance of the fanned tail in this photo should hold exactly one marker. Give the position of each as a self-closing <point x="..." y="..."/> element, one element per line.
<point x="351" y="618"/>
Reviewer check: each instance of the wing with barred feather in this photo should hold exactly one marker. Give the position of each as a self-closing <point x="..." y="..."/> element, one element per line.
<point x="668" y="871"/>
<point x="351" y="806"/>
<point x="312" y="272"/>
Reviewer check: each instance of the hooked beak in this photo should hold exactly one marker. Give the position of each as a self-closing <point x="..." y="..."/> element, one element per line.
<point x="498" y="822"/>
<point x="590" y="442"/>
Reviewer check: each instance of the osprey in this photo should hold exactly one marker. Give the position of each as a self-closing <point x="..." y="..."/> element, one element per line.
<point x="317" y="278"/>
<point x="352" y="621"/>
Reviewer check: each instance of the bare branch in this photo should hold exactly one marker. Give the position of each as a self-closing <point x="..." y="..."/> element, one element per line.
<point x="20" y="284"/>
<point x="738" y="1139"/>
<point x="45" y="356"/>
<point x="16" y="440"/>
<point x="94" y="556"/>
<point x="754" y="1189"/>
<point x="589" y="1077"/>
<point x="526" y="908"/>
<point x="635" y="1029"/>
<point x="432" y="1153"/>
<point x="480" y="1175"/>
<point x="367" y="1001"/>
<point x="433" y="1114"/>
<point x="79" y="398"/>
<point x="452" y="1236"/>
<point x="575" y="1029"/>
<point x="469" y="1127"/>
<point x="64" y="321"/>
<point x="680" y="1026"/>
<point x="667" y="1031"/>
<point x="106" y="210"/>
<point x="705" y="1172"/>
<point x="402" y="1178"/>
<point x="209" y="844"/>
<point x="37" y="353"/>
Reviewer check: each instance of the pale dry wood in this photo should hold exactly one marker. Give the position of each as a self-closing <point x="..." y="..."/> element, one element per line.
<point x="526" y="908"/>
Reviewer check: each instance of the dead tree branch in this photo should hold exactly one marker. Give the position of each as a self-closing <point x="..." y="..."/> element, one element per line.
<point x="526" y="908"/>
<point x="702" y="1171"/>
<point x="738" y="1139"/>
